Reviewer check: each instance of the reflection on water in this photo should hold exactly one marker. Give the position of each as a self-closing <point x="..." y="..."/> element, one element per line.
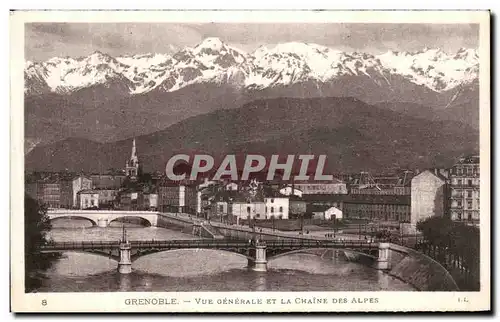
<point x="201" y="270"/>
<point x="77" y="229"/>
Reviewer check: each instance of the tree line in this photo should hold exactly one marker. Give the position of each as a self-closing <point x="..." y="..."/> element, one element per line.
<point x="456" y="246"/>
<point x="36" y="226"/>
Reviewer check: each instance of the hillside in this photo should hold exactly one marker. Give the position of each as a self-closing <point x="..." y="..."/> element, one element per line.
<point x="105" y="98"/>
<point x="354" y="135"/>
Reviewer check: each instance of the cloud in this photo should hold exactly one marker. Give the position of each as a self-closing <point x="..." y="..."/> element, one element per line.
<point x="45" y="40"/>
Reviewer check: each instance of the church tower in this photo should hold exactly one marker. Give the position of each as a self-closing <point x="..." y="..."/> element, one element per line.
<point x="132" y="165"/>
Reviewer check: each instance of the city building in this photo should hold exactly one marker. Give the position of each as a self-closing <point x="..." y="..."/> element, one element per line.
<point x="325" y="200"/>
<point x="297" y="207"/>
<point x="231" y="186"/>
<point x="55" y="189"/>
<point x="77" y="184"/>
<point x="46" y="192"/>
<point x="464" y="190"/>
<point x="107" y="198"/>
<point x="364" y="183"/>
<point x="276" y="207"/>
<point x="429" y="196"/>
<point x="325" y="212"/>
<point x="149" y="201"/>
<point x="241" y="209"/>
<point x="129" y="200"/>
<point x="107" y="181"/>
<point x="88" y="199"/>
<point x="335" y="186"/>
<point x="219" y="208"/>
<point x="132" y="165"/>
<point x="389" y="208"/>
<point x="177" y="198"/>
<point x="290" y="190"/>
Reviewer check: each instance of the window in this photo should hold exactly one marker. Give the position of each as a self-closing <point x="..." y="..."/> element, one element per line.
<point x="469" y="194"/>
<point x="272" y="200"/>
<point x="272" y="209"/>
<point x="266" y="209"/>
<point x="92" y="203"/>
<point x="281" y="209"/>
<point x="469" y="170"/>
<point x="459" y="203"/>
<point x="459" y="216"/>
<point x="470" y="216"/>
<point x="459" y="182"/>
<point x="221" y="208"/>
<point x="248" y="209"/>
<point x="469" y="183"/>
<point x="469" y="204"/>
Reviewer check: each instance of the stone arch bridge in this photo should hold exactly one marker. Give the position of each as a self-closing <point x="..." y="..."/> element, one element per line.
<point x="103" y="218"/>
<point x="257" y="253"/>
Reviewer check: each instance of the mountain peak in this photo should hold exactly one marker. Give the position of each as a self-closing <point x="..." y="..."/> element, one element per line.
<point x="213" y="43"/>
<point x="282" y="64"/>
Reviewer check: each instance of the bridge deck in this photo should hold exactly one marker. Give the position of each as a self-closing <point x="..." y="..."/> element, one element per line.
<point x="215" y="244"/>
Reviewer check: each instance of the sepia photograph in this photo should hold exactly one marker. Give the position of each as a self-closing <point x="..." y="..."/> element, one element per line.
<point x="305" y="164"/>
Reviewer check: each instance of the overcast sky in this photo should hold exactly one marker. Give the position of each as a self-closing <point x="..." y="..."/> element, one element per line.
<point x="46" y="40"/>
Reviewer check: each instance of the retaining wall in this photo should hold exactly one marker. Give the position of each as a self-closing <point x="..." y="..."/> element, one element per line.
<point x="419" y="270"/>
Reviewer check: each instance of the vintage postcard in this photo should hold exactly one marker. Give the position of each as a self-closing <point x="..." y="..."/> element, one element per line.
<point x="250" y="161"/>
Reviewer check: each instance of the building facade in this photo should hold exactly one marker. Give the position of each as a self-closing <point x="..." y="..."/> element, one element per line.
<point x="177" y="198"/>
<point x="291" y="191"/>
<point x="78" y="184"/>
<point x="107" y="198"/>
<point x="464" y="190"/>
<point x="107" y="181"/>
<point x="326" y="213"/>
<point x="276" y="207"/>
<point x="429" y="196"/>
<point x="298" y="207"/>
<point x="88" y="199"/>
<point x="329" y="188"/>
<point x="247" y="210"/>
<point x="47" y="193"/>
<point x="389" y="208"/>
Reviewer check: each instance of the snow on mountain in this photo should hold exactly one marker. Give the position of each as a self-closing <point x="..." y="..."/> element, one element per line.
<point x="434" y="68"/>
<point x="284" y="64"/>
<point x="294" y="62"/>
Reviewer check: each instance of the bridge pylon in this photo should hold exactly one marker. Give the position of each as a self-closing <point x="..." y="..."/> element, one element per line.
<point x="125" y="263"/>
<point x="259" y="262"/>
<point x="383" y="260"/>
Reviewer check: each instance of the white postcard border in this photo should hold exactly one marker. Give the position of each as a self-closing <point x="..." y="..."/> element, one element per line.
<point x="116" y="301"/>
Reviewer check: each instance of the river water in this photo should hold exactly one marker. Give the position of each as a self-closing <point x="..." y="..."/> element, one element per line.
<point x="198" y="270"/>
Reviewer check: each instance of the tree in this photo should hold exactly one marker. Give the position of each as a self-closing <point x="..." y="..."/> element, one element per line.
<point x="36" y="226"/>
<point x="454" y="240"/>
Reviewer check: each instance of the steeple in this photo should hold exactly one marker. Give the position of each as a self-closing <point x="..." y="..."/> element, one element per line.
<point x="133" y="156"/>
<point x="132" y="165"/>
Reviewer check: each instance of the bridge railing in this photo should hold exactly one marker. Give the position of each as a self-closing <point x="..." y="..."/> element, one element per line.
<point x="211" y="243"/>
<point x="80" y="244"/>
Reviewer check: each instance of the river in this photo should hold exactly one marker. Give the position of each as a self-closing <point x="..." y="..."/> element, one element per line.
<point x="198" y="270"/>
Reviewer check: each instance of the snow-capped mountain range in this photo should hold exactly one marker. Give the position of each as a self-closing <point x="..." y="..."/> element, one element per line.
<point x="213" y="61"/>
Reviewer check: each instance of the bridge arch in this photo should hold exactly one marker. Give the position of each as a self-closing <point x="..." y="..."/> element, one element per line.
<point x="316" y="251"/>
<point x="145" y="253"/>
<point x="114" y="257"/>
<point x="142" y="218"/>
<point x="81" y="217"/>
